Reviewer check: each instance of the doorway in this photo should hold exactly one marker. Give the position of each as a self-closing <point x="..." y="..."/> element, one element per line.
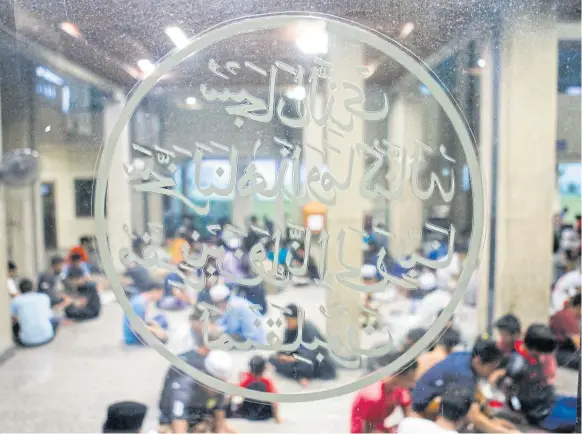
<point x="47" y="191"/>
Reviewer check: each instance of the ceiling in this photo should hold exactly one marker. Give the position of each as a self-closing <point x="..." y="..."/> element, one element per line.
<point x="115" y="34"/>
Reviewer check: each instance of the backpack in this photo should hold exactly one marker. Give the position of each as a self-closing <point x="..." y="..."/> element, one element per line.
<point x="256" y="410"/>
<point x="535" y="396"/>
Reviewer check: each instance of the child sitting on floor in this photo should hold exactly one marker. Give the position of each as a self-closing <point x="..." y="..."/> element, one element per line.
<point x="256" y="380"/>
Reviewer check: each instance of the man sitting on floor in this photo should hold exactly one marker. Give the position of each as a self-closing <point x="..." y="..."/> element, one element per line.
<point x="50" y="283"/>
<point x="141" y="303"/>
<point x="566" y="325"/>
<point x="303" y="364"/>
<point x="87" y="304"/>
<point x="32" y="317"/>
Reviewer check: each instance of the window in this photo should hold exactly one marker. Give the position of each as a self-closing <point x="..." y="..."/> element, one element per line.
<point x="84" y="197"/>
<point x="569" y="58"/>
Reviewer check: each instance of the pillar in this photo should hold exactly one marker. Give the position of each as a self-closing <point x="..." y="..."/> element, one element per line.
<point x="406" y="214"/>
<point x="522" y="190"/>
<point x="349" y="208"/>
<point x="242" y="207"/>
<point x="119" y="193"/>
<point x="5" y="319"/>
<point x="23" y="210"/>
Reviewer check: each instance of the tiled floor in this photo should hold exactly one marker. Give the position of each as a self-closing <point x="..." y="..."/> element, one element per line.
<point x="67" y="385"/>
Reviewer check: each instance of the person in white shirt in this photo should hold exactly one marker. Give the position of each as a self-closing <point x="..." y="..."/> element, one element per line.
<point x="11" y="283"/>
<point x="564" y="289"/>
<point x="455" y="405"/>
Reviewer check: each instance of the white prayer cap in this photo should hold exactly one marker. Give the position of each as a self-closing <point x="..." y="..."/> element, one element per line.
<point x="219" y="293"/>
<point x="219" y="364"/>
<point x="368" y="271"/>
<point x="233" y="243"/>
<point x="428" y="281"/>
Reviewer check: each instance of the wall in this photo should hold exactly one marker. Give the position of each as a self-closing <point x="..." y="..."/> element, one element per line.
<point x="569" y="127"/>
<point x="61" y="164"/>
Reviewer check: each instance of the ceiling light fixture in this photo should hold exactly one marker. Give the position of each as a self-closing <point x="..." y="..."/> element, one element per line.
<point x="177" y="36"/>
<point x="297" y="92"/>
<point x="481" y="63"/>
<point x="407" y="29"/>
<point x="146" y="66"/>
<point x="312" y="37"/>
<point x="190" y="100"/>
<point x="71" y="29"/>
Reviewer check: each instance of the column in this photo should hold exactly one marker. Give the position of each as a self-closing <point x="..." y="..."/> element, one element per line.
<point x="242" y="207"/>
<point x="349" y="208"/>
<point x="155" y="208"/>
<point x="5" y="318"/>
<point x="525" y="105"/>
<point x="23" y="211"/>
<point x="119" y="193"/>
<point x="406" y="214"/>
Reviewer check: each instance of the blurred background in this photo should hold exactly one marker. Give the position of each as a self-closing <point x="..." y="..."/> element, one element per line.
<point x="513" y="70"/>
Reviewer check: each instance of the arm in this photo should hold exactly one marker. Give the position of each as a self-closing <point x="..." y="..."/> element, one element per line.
<point x="484" y="424"/>
<point x="180" y="426"/>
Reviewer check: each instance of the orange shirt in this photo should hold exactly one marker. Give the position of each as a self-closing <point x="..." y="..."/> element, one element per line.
<point x="80" y="251"/>
<point x="176" y="250"/>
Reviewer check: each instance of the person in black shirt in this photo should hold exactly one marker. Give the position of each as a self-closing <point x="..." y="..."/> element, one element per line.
<point x="527" y="387"/>
<point x="48" y="283"/>
<point x="88" y="304"/>
<point x="186" y="405"/>
<point x="303" y="364"/>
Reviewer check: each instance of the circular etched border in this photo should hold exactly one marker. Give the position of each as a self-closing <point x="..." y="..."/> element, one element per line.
<point x="365" y="35"/>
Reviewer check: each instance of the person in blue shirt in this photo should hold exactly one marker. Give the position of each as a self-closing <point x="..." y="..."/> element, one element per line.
<point x="461" y="370"/>
<point x="254" y="294"/>
<point x="239" y="319"/>
<point x="175" y="295"/>
<point x="157" y="325"/>
<point x="33" y="323"/>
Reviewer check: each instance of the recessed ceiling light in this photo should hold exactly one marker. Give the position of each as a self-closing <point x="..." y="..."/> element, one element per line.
<point x="71" y="29"/>
<point x="407" y="29"/>
<point x="312" y="37"/>
<point x="146" y="66"/>
<point x="190" y="100"/>
<point x="177" y="36"/>
<point x="481" y="63"/>
<point x="297" y="92"/>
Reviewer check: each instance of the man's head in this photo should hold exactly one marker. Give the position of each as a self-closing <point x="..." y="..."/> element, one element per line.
<point x="257" y="366"/>
<point x="455" y="404"/>
<point x="76" y="276"/>
<point x="406" y="377"/>
<point x="11" y="269"/>
<point x="413" y="337"/>
<point x="154" y="293"/>
<point x="291" y="315"/>
<point x="219" y="295"/>
<point x="85" y="241"/>
<point x="369" y="273"/>
<point x="219" y="364"/>
<point x="509" y="329"/>
<point x="76" y="259"/>
<point x="574" y="304"/>
<point x="25" y="286"/>
<point x="57" y="264"/>
<point x="449" y="340"/>
<point x="539" y="339"/>
<point x="486" y="357"/>
<point x="125" y="417"/>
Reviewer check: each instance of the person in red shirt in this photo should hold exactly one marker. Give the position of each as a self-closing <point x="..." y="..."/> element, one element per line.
<point x="566" y="326"/>
<point x="508" y="328"/>
<point x="373" y="404"/>
<point x="255" y="379"/>
<point x="80" y="249"/>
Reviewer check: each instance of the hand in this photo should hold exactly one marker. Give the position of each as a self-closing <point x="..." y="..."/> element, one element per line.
<point x="496" y="376"/>
<point x="286" y="358"/>
<point x="505" y="424"/>
<point x="278" y="419"/>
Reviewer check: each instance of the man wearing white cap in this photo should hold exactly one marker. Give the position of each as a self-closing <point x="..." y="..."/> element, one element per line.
<point x="189" y="406"/>
<point x="369" y="275"/>
<point x="240" y="319"/>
